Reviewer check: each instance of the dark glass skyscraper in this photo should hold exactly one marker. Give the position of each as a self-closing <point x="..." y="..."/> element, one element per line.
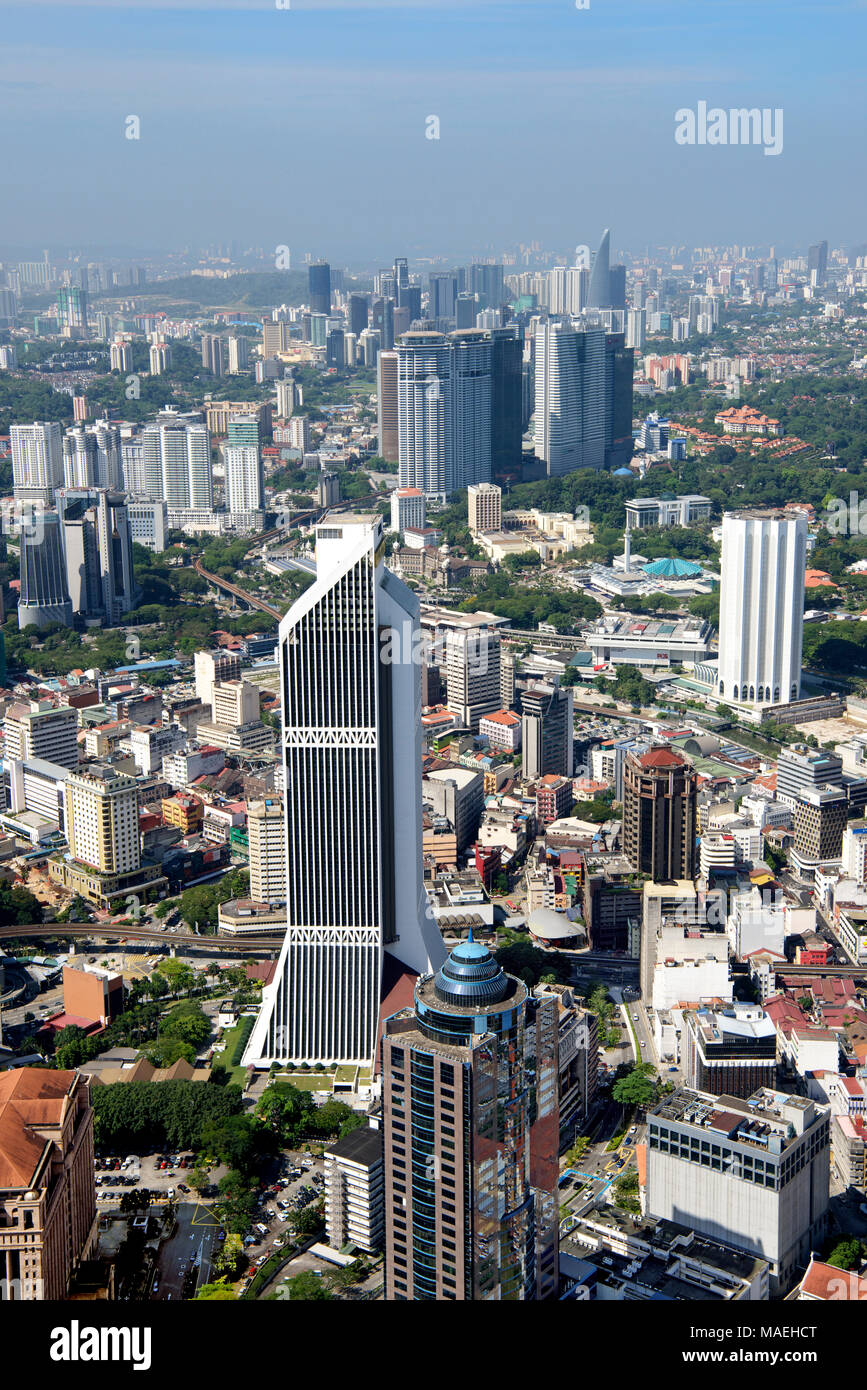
<point x="506" y="401"/>
<point x="319" y="281"/>
<point x="471" y="1135"/>
<point x="659" y="814"/>
<point x="358" y="311"/>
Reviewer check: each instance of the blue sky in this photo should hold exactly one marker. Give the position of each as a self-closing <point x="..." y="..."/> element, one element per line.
<point x="306" y="125"/>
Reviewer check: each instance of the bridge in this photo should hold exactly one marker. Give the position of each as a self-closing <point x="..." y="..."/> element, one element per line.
<point x="237" y="592"/>
<point x="117" y="931"/>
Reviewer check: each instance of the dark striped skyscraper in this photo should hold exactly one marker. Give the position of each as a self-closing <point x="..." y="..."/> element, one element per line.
<point x="357" y="915"/>
<point x="319" y="292"/>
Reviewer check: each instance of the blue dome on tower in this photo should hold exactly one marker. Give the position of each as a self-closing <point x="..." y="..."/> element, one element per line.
<point x="471" y="976"/>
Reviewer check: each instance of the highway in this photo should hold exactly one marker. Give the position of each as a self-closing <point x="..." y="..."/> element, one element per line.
<point x="114" y="931"/>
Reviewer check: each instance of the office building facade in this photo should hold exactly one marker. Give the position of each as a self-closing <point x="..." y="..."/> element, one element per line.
<point x="659" y="814"/>
<point x="764" y="556"/>
<point x="352" y="774"/>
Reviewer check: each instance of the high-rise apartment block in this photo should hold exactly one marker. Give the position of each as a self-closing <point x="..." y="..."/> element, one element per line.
<point x="387" y="406"/>
<point x="547" y="723"/>
<point x="37" y="461"/>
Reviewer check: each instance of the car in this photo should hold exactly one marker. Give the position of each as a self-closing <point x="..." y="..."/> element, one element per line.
<point x="642" y="1043"/>
<point x="632" y="1129"/>
<point x="635" y="1018"/>
<point x="170" y="1194"/>
<point x="182" y="1187"/>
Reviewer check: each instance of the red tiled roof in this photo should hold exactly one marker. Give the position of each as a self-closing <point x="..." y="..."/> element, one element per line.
<point x="827" y="1282"/>
<point x="661" y="757"/>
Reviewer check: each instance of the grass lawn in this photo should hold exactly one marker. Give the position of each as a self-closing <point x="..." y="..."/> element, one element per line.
<point x="305" y="1080"/>
<point x="237" y="1074"/>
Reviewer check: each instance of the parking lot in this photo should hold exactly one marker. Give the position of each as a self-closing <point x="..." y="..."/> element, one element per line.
<point x="155" y="1172"/>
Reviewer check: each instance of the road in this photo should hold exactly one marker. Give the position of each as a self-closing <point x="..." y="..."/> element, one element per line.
<point x="185" y="1259"/>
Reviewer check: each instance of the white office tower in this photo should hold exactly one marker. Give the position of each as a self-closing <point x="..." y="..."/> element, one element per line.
<point x="211" y="668"/>
<point x="286" y="397"/>
<point x="444" y="390"/>
<point x="473" y="674"/>
<point x="37" y="461"/>
<point x="92" y="456"/>
<point x="557" y="290"/>
<point x="176" y="464"/>
<point x="577" y="289"/>
<point x="239" y="355"/>
<point x="407" y="509"/>
<point x="245" y="480"/>
<point x="356" y="906"/>
<point x="636" y="328"/>
<point x="44" y="597"/>
<point x="570" y="396"/>
<point x="764" y="557"/>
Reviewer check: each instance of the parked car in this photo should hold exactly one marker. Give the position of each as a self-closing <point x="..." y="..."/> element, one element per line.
<point x="182" y="1187"/>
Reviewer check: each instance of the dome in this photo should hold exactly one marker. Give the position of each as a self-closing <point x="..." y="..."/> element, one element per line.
<point x="673" y="569"/>
<point x="548" y="925"/>
<point x="623" y="473"/>
<point x="471" y="976"/>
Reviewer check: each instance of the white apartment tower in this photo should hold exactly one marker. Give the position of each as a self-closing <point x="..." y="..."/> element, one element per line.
<point x="37" y="461"/>
<point x="245" y="480"/>
<point x="267" y="844"/>
<point x="764" y="555"/>
<point x="356" y="906"/>
<point x="570" y="396"/>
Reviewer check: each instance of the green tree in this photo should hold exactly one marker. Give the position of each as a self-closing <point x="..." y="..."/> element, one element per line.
<point x="307" y="1287"/>
<point x="847" y="1253"/>
<point x="187" y="1023"/>
<point x="216" y="1292"/>
<point x="637" y="1088"/>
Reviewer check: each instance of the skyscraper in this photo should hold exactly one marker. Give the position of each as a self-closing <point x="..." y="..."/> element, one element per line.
<point x="37" y="461"/>
<point x="319" y="287"/>
<point x="356" y="906"/>
<point x="547" y="731"/>
<point x="764" y="555"/>
<point x="245" y="479"/>
<point x="387" y="411"/>
<point x="212" y="353"/>
<point x="659" y="814"/>
<point x="617" y="287"/>
<point x="44" y="597"/>
<point x="507" y="354"/>
<point x="359" y="309"/>
<point x="444" y="411"/>
<point x="239" y="354"/>
<point x="570" y="396"/>
<point x="599" y="295"/>
<point x="471" y="1134"/>
<point x="443" y="291"/>
<point x="97" y="544"/>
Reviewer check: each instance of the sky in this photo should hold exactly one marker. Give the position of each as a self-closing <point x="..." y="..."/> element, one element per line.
<point x="305" y="126"/>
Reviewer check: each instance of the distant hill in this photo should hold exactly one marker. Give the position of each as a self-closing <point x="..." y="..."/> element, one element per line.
<point x="255" y="289"/>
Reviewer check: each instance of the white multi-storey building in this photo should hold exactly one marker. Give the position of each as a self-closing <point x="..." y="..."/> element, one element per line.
<point x="148" y="522"/>
<point x="267" y="849"/>
<point x="245" y="481"/>
<point x="176" y="464"/>
<point x="570" y="396"/>
<point x="37" y="461"/>
<point x="407" y="509"/>
<point x="41" y="730"/>
<point x="356" y="904"/>
<point x="444" y="390"/>
<point x="761" y="607"/>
